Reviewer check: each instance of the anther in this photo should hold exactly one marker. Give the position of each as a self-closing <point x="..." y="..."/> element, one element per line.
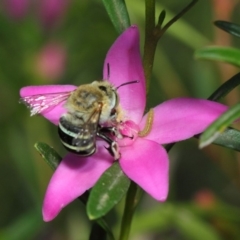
<point x="148" y="125"/>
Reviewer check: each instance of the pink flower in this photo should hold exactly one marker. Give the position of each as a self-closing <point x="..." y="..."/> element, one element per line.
<point x="143" y="158"/>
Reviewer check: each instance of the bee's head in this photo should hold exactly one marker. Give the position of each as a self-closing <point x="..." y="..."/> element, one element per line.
<point x="110" y="96"/>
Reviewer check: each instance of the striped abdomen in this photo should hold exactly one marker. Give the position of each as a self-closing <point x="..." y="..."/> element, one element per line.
<point x="77" y="139"/>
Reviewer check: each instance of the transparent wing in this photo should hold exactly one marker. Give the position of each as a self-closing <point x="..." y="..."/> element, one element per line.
<point x="86" y="136"/>
<point x="87" y="133"/>
<point x="41" y="102"/>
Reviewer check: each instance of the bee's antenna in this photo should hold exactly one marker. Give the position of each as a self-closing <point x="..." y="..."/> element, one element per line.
<point x="123" y="84"/>
<point x="126" y="83"/>
<point x="108" y="71"/>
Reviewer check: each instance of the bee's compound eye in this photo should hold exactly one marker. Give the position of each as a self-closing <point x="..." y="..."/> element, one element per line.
<point x="113" y="112"/>
<point x="103" y="88"/>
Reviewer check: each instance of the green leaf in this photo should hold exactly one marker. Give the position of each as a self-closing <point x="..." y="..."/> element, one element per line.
<point x="118" y="14"/>
<point x="225" y="88"/>
<point x="218" y="133"/>
<point x="230" y="138"/>
<point x="219" y="126"/>
<point x="224" y="54"/>
<point x="229" y="27"/>
<point x="48" y="154"/>
<point x="107" y="192"/>
<point x="161" y="18"/>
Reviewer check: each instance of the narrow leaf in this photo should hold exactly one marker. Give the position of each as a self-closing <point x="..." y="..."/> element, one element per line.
<point x="229" y="27"/>
<point x="230" y="138"/>
<point x="107" y="192"/>
<point x="161" y="18"/>
<point x="218" y="126"/>
<point x="48" y="154"/>
<point x="225" y="88"/>
<point x="118" y="14"/>
<point x="224" y="54"/>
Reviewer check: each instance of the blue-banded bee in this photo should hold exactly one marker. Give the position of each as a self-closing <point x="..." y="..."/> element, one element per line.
<point x="92" y="110"/>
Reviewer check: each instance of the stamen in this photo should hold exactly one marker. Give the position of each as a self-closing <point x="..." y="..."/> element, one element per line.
<point x="148" y="126"/>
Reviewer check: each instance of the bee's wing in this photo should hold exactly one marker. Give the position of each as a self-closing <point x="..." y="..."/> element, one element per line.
<point x="41" y="102"/>
<point x="87" y="133"/>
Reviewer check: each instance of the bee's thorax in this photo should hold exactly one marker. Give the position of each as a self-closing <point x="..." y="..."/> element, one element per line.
<point x="87" y="98"/>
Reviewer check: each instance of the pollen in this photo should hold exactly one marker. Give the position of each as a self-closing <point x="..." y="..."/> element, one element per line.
<point x="148" y="126"/>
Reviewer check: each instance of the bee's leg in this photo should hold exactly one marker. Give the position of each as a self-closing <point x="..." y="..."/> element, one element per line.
<point x="112" y="130"/>
<point x="113" y="148"/>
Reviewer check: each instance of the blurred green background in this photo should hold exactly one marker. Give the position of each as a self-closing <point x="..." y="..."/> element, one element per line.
<point x="65" y="42"/>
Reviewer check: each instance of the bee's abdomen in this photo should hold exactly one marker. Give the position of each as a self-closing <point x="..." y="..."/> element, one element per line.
<point x="76" y="139"/>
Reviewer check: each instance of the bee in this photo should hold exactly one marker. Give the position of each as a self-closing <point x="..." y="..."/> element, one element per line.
<point x="92" y="110"/>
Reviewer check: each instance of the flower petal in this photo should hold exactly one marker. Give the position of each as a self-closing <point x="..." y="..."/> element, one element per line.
<point x="146" y="163"/>
<point x="123" y="64"/>
<point x="181" y="118"/>
<point x="48" y="91"/>
<point x="72" y="178"/>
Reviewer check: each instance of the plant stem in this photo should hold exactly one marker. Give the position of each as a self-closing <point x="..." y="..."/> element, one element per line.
<point x="179" y="15"/>
<point x="153" y="32"/>
<point x="133" y="196"/>
<point x="149" y="44"/>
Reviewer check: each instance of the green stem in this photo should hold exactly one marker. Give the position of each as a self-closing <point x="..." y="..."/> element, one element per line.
<point x="149" y="44"/>
<point x="179" y="15"/>
<point x="133" y="196"/>
<point x="154" y="32"/>
<point x="150" y="15"/>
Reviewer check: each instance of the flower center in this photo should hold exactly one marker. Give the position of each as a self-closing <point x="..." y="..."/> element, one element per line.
<point x="148" y="126"/>
<point x="128" y="133"/>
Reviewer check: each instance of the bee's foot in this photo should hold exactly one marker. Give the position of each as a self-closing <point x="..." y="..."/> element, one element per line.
<point x="113" y="149"/>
